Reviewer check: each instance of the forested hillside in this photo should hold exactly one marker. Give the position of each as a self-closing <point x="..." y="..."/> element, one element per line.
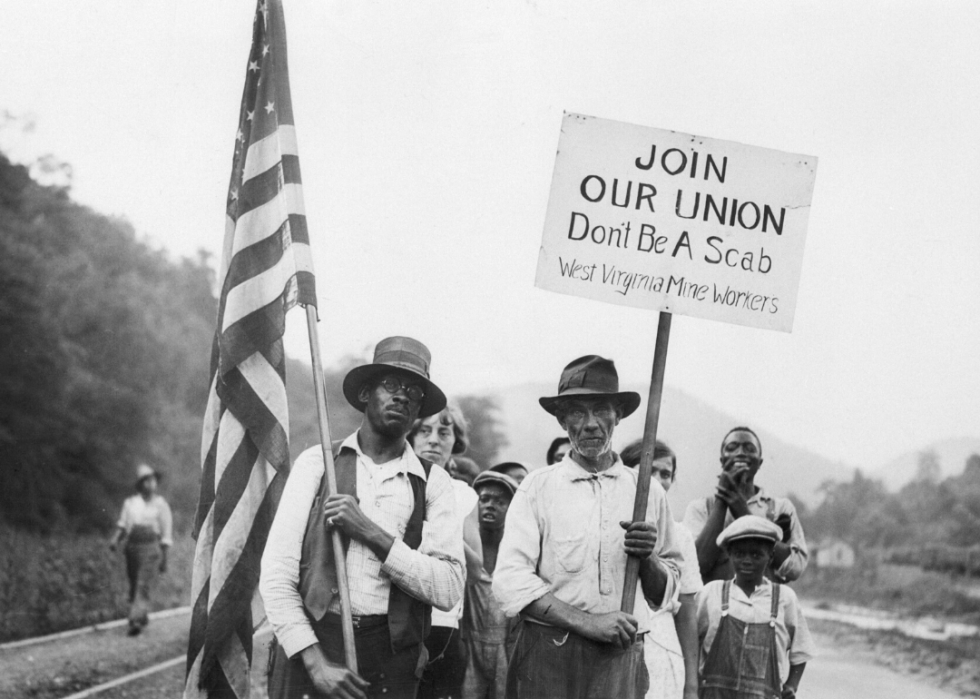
<point x="104" y="346"/>
<point x="104" y="350"/>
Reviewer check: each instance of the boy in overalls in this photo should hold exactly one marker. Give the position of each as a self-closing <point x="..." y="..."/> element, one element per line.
<point x="754" y="640"/>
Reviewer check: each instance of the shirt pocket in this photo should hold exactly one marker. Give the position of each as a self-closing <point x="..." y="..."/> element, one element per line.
<point x="571" y="552"/>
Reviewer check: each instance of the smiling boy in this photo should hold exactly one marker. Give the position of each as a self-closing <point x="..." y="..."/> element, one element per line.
<point x="754" y="639"/>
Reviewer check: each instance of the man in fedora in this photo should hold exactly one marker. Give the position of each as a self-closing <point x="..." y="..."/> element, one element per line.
<point x="404" y="543"/>
<point x="562" y="561"/>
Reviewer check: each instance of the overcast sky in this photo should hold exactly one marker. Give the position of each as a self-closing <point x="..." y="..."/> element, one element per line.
<point x="427" y="135"/>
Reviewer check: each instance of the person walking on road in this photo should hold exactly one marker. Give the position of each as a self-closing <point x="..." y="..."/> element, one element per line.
<point x="146" y="524"/>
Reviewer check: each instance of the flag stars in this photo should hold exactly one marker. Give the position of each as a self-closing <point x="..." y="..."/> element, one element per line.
<point x="253" y="65"/>
<point x="240" y="136"/>
<point x="270" y="107"/>
<point x="250" y="115"/>
<point x="265" y="49"/>
<point x="234" y="194"/>
<point x="264" y="9"/>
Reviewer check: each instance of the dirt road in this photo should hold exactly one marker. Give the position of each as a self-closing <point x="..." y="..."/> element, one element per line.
<point x="62" y="668"/>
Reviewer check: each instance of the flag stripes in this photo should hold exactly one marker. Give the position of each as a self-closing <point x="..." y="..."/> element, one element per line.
<point x="266" y="269"/>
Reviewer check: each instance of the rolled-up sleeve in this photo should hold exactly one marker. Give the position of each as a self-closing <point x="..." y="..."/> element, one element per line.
<point x="436" y="572"/>
<point x="279" y="579"/>
<point x="515" y="582"/>
<point x="794" y="565"/>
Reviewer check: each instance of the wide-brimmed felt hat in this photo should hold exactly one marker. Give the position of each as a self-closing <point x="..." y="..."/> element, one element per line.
<point x="750" y="527"/>
<point x="590" y="376"/>
<point x="398" y="355"/>
<point x="488" y="477"/>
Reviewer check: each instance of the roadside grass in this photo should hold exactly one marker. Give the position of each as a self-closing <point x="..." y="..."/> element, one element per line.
<point x="51" y="583"/>
<point x="893" y="588"/>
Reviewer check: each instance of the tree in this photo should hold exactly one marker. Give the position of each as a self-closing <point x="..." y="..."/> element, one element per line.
<point x="485" y="435"/>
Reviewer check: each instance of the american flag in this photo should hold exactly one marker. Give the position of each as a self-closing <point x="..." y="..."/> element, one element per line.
<point x="266" y="269"/>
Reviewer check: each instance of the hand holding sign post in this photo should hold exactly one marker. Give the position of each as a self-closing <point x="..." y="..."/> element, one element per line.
<point x="677" y="223"/>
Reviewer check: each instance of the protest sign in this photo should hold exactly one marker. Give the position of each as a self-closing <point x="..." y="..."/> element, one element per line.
<point x="658" y="219"/>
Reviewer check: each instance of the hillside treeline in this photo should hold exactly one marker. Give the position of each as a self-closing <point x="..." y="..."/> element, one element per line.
<point x="926" y="512"/>
<point x="104" y="351"/>
<point x="104" y="346"/>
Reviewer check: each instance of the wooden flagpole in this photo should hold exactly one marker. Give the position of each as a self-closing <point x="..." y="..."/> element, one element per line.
<point x="646" y="460"/>
<point x="330" y="472"/>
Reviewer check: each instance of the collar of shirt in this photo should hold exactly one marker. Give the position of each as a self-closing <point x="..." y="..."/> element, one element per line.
<point x="408" y="462"/>
<point x="762" y="591"/>
<point x="573" y="471"/>
<point x="759" y="496"/>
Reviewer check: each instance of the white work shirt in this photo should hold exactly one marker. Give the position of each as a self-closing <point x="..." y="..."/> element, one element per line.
<point x="562" y="535"/>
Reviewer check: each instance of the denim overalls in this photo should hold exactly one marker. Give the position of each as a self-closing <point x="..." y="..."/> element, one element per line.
<point x="742" y="662"/>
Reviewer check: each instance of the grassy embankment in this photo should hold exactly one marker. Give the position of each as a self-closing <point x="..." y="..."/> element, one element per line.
<point x="58" y="582"/>
<point x="908" y="592"/>
<point x="904" y="590"/>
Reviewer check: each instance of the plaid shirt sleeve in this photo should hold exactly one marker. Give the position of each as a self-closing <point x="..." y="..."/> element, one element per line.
<point x="436" y="572"/>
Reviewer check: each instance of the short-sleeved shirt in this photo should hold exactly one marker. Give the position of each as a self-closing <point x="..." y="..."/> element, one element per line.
<point x="794" y="645"/>
<point x="763" y="505"/>
<point x="153" y="514"/>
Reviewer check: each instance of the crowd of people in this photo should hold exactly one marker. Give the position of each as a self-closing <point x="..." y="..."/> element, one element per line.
<point x="484" y="583"/>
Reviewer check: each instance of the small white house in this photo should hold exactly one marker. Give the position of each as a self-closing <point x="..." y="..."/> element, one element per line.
<point x="833" y="553"/>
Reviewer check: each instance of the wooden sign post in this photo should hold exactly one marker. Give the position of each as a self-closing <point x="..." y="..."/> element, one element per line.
<point x="675" y="223"/>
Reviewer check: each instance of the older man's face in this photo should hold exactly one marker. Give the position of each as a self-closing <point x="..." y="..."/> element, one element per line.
<point x="589" y="424"/>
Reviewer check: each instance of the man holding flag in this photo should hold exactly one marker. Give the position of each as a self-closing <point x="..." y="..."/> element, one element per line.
<point x="404" y="541"/>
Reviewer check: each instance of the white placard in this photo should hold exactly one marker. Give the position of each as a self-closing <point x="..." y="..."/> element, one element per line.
<point x="668" y="221"/>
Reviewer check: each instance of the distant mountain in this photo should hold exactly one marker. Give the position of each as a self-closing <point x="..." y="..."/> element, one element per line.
<point x="952" y="454"/>
<point x="692" y="428"/>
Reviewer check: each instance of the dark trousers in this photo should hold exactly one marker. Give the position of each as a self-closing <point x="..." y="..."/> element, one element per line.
<point x="392" y="675"/>
<point x="142" y="571"/>
<point x="551" y="663"/>
<point x="444" y="675"/>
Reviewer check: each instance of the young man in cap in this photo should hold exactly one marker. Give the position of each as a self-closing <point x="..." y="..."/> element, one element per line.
<point x="562" y="561"/>
<point x="404" y="543"/>
<point x="737" y="496"/>
<point x="754" y="638"/>
<point x="485" y="625"/>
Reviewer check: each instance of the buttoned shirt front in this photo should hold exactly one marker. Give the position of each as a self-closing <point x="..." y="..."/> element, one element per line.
<point x="434" y="573"/>
<point x="763" y="505"/>
<point x="563" y="536"/>
<point x="794" y="645"/>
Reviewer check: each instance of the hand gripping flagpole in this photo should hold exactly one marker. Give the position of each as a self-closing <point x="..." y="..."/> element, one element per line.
<point x="330" y="473"/>
<point x="646" y="460"/>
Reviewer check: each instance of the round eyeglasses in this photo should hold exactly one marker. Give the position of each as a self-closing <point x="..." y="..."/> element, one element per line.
<point x="413" y="391"/>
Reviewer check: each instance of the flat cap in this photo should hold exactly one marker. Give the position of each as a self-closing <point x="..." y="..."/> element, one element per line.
<point x="750" y="527"/>
<point x="488" y="477"/>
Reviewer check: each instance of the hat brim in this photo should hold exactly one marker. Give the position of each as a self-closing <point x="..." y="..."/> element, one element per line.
<point x="433" y="401"/>
<point x="629" y="400"/>
<point x="723" y="543"/>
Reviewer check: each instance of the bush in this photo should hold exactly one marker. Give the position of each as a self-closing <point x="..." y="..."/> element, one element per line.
<point x="64" y="581"/>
